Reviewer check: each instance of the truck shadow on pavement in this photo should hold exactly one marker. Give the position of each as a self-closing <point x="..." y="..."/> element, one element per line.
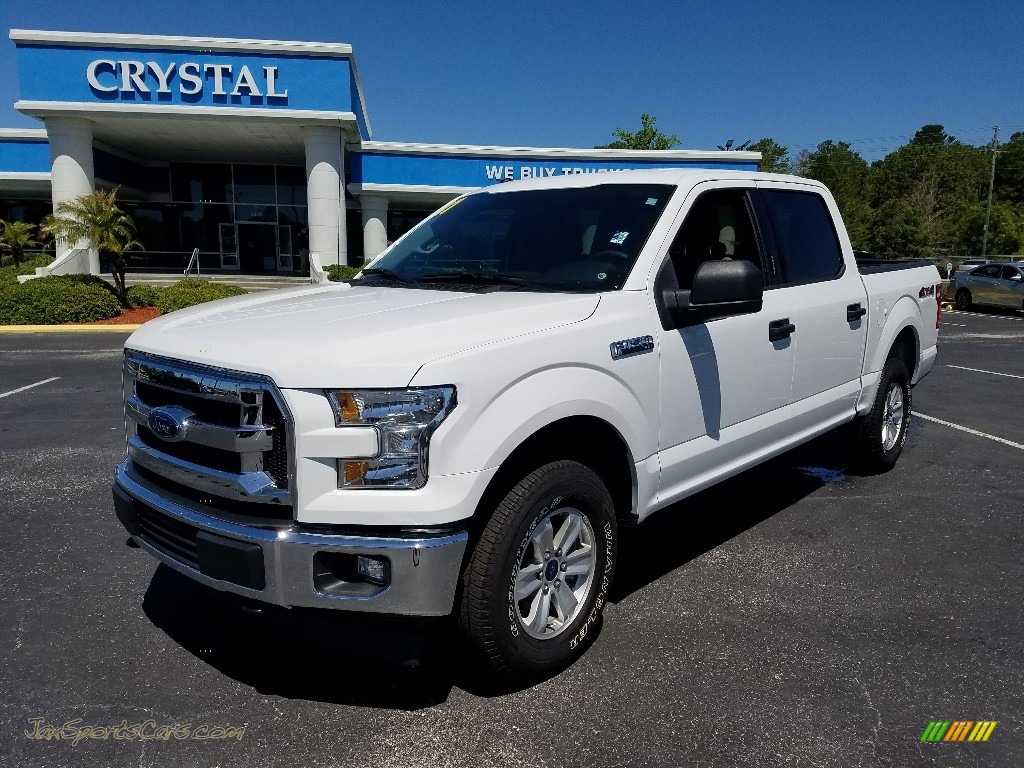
<point x="350" y="659"/>
<point x="686" y="530"/>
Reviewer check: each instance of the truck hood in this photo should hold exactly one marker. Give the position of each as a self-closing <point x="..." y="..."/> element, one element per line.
<point x="342" y="335"/>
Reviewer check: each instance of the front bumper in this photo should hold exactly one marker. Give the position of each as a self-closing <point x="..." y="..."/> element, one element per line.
<point x="281" y="564"/>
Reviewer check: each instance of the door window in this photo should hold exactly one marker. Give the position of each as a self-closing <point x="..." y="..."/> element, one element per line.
<point x="1011" y="273"/>
<point x="718" y="226"/>
<point x="806" y="245"/>
<point x="992" y="270"/>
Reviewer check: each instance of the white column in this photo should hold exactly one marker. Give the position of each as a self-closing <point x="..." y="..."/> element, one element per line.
<point x="71" y="170"/>
<point x="375" y="225"/>
<point x="325" y="174"/>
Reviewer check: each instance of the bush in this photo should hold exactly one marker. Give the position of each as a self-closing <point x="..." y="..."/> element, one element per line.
<point x="339" y="273"/>
<point x="144" y="295"/>
<point x="9" y="273"/>
<point x="187" y="293"/>
<point x="57" y="299"/>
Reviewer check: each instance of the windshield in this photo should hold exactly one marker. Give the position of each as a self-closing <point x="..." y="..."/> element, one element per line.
<point x="576" y="239"/>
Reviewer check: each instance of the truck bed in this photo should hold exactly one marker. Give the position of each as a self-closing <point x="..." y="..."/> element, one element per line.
<point x="874" y="266"/>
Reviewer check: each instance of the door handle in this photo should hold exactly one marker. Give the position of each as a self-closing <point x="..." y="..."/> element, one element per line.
<point x="855" y="312"/>
<point x="780" y="329"/>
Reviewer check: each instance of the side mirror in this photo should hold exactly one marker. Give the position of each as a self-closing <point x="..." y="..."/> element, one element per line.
<point x="720" y="289"/>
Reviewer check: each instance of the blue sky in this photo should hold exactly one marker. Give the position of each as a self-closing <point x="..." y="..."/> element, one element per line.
<point x="567" y="74"/>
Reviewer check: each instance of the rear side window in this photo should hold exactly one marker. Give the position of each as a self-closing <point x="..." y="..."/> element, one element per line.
<point x="992" y="270"/>
<point x="806" y="245"/>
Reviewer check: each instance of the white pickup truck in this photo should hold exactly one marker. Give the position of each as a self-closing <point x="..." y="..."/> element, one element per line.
<point x="464" y="427"/>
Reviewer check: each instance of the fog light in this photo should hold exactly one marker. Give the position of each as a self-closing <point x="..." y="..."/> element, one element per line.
<point x="372" y="569"/>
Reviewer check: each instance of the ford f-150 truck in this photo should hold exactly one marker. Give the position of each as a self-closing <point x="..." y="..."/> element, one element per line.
<point x="464" y="427"/>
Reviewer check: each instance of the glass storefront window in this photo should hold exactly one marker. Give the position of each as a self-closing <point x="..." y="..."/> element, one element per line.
<point x="201" y="182"/>
<point x="255" y="213"/>
<point x="157" y="226"/>
<point x="200" y="226"/>
<point x="211" y="201"/>
<point x="293" y="214"/>
<point x="400" y="222"/>
<point x="291" y="185"/>
<point x="254" y="184"/>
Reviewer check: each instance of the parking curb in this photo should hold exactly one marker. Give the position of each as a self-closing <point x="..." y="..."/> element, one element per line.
<point x="68" y="328"/>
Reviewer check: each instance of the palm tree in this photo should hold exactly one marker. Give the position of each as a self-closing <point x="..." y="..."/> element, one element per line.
<point x="16" y="236"/>
<point x="96" y="219"/>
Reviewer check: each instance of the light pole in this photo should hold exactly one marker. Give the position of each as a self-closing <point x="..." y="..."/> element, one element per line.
<point x="991" y="181"/>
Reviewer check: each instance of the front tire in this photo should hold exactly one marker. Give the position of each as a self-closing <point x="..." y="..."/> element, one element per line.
<point x="963" y="300"/>
<point x="882" y="432"/>
<point x="537" y="580"/>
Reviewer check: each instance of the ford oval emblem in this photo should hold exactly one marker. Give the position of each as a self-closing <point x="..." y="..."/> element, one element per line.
<point x="169" y="423"/>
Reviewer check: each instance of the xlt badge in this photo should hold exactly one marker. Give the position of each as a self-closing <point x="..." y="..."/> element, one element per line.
<point x="638" y="345"/>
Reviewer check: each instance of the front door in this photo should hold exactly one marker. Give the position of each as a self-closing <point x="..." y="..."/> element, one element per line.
<point x="257" y="248"/>
<point x="718" y="377"/>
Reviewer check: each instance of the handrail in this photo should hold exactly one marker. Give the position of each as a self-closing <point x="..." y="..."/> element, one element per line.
<point x="193" y="261"/>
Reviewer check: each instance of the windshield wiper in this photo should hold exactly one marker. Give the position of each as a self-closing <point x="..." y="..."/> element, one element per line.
<point x="483" y="278"/>
<point x="384" y="272"/>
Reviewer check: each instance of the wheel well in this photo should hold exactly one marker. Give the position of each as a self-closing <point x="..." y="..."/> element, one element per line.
<point x="585" y="439"/>
<point x="904" y="348"/>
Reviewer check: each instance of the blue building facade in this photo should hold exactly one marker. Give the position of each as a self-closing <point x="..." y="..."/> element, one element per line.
<point x="254" y="152"/>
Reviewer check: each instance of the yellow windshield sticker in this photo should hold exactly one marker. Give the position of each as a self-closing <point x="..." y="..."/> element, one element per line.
<point x="445" y="208"/>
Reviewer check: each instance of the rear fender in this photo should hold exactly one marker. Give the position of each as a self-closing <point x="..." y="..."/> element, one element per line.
<point x="888" y="325"/>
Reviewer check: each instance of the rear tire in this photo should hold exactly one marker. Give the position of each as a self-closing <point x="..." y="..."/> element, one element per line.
<point x="963" y="300"/>
<point x="537" y="580"/>
<point x="882" y="432"/>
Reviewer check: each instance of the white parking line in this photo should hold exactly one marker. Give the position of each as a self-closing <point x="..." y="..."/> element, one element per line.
<point x="980" y="314"/>
<point x="970" y="431"/>
<point x="980" y="370"/>
<point x="22" y="389"/>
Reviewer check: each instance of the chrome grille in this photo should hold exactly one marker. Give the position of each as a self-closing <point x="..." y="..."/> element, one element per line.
<point x="220" y="433"/>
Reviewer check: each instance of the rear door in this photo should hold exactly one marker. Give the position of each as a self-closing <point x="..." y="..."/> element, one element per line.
<point x="823" y="292"/>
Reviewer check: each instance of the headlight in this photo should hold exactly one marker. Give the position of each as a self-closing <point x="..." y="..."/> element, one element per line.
<point x="404" y="420"/>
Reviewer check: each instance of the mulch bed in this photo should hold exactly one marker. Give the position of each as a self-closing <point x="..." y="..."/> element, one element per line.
<point x="133" y="316"/>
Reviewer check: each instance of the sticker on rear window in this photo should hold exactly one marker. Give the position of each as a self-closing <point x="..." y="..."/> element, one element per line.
<point x="619" y="238"/>
<point x="651" y="201"/>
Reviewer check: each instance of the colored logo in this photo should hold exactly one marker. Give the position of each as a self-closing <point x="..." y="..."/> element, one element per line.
<point x="169" y="423"/>
<point x="958" y="730"/>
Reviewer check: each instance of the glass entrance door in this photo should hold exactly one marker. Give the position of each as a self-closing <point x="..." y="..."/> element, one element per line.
<point x="284" y="248"/>
<point x="257" y="247"/>
<point x="228" y="247"/>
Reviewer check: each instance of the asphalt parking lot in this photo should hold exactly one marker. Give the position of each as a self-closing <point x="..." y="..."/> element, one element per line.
<point x="797" y="615"/>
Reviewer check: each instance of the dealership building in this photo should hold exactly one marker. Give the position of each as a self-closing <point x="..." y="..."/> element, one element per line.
<point x="254" y="152"/>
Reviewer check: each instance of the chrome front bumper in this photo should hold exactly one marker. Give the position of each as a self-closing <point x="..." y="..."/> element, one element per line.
<point x="283" y="565"/>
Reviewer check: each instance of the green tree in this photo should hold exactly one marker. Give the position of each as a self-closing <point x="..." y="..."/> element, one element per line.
<point x="846" y="174"/>
<point x="938" y="178"/>
<point x="96" y="219"/>
<point x="648" y="137"/>
<point x="1009" y="180"/>
<point x="1005" y="229"/>
<point x="895" y="231"/>
<point x="774" y="156"/>
<point x="17" y="237"/>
